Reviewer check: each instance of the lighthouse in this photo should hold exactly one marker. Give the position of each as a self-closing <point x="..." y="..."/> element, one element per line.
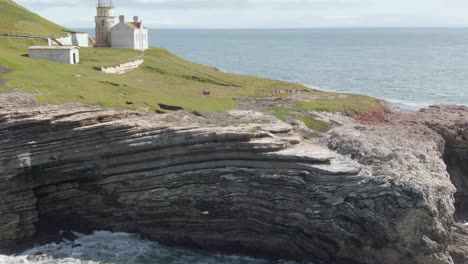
<point x="117" y="33"/>
<point x="105" y="20"/>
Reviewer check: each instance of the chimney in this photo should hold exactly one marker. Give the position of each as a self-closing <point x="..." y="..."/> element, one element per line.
<point x="122" y="19"/>
<point x="135" y="19"/>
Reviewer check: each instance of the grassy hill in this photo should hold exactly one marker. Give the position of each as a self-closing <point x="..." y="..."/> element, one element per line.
<point x="163" y="78"/>
<point x="15" y="19"/>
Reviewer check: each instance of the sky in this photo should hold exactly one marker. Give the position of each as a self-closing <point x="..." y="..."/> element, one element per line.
<point x="263" y="13"/>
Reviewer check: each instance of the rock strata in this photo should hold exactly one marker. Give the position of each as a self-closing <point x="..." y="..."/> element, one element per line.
<point x="359" y="195"/>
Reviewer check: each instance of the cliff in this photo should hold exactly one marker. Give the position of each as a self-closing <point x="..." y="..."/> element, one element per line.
<point x="358" y="194"/>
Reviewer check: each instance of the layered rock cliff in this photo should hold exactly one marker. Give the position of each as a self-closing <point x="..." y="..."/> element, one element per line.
<point x="360" y="194"/>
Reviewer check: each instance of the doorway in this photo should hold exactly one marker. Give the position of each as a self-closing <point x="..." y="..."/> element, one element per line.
<point x="74" y="58"/>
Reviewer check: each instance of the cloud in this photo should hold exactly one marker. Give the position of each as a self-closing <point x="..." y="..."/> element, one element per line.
<point x="202" y="4"/>
<point x="243" y="3"/>
<point x="262" y="13"/>
<point x="186" y="4"/>
<point x="45" y="3"/>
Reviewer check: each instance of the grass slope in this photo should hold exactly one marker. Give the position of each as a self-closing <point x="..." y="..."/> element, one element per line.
<point x="15" y="19"/>
<point x="164" y="78"/>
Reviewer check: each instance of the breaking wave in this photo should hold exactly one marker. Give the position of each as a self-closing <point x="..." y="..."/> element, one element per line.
<point x="121" y="248"/>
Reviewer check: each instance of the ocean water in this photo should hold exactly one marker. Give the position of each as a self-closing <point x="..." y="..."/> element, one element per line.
<point x="121" y="248"/>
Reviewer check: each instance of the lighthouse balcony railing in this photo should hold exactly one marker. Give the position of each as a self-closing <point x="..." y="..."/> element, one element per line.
<point x="106" y="3"/>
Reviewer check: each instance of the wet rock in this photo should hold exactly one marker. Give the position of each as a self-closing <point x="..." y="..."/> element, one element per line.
<point x="67" y="235"/>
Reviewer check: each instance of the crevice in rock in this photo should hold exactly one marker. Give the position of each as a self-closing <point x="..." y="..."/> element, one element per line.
<point x="455" y="156"/>
<point x="456" y="159"/>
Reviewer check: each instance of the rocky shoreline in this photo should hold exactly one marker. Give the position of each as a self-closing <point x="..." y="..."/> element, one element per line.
<point x="360" y="193"/>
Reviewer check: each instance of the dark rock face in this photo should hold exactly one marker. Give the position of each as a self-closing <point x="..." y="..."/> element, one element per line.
<point x="456" y="158"/>
<point x="252" y="189"/>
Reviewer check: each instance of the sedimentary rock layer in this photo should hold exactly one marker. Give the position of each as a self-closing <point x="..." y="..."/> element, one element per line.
<point x="259" y="189"/>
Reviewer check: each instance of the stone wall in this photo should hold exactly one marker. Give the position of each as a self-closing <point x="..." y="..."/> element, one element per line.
<point x="74" y="39"/>
<point x="123" y="68"/>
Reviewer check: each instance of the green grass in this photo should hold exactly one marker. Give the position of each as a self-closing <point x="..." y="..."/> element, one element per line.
<point x="309" y="119"/>
<point x="348" y="104"/>
<point x="106" y="57"/>
<point x="15" y="19"/>
<point x="163" y="78"/>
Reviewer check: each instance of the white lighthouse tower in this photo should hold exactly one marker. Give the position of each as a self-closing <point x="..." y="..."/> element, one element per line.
<point x="105" y="20"/>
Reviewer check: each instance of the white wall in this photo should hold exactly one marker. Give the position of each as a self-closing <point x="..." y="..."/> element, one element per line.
<point x="80" y="39"/>
<point x="123" y="68"/>
<point x="141" y="39"/>
<point x="74" y="39"/>
<point x="126" y="37"/>
<point x="58" y="55"/>
<point x="122" y="36"/>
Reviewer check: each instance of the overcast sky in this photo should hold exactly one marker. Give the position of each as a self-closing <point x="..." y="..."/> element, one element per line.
<point x="263" y="13"/>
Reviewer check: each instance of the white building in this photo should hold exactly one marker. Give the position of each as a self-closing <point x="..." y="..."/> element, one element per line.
<point x="118" y="34"/>
<point x="129" y="35"/>
<point x="73" y="39"/>
<point x="64" y="54"/>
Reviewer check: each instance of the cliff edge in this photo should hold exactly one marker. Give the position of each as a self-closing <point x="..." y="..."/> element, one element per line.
<point x="375" y="193"/>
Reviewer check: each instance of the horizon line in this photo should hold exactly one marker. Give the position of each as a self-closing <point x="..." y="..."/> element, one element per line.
<point x="294" y="28"/>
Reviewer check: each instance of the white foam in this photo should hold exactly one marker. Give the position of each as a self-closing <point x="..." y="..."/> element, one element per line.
<point x="120" y="248"/>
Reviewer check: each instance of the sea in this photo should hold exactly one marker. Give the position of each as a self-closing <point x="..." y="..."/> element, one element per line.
<point x="411" y="68"/>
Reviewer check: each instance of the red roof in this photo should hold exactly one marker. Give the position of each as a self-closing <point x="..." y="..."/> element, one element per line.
<point x="136" y="25"/>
